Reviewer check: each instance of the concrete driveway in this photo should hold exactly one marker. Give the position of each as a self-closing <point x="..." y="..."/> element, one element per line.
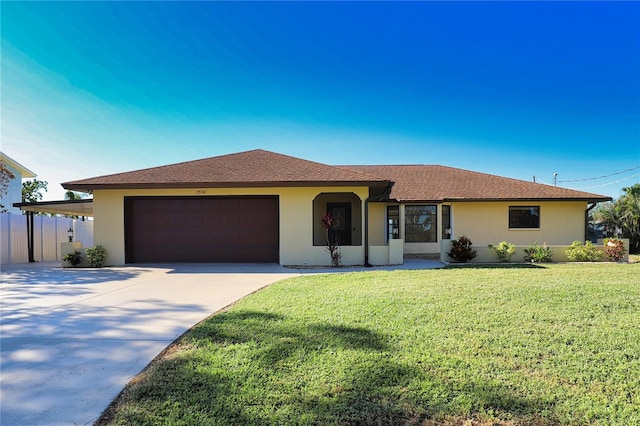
<point x="71" y="339"/>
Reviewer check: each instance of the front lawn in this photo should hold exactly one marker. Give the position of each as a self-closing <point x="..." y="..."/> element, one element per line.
<point x="558" y="344"/>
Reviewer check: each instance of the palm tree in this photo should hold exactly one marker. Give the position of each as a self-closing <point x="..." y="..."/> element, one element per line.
<point x="73" y="196"/>
<point x="622" y="217"/>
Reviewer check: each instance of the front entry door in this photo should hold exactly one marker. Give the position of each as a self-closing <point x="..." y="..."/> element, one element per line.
<point x="341" y="229"/>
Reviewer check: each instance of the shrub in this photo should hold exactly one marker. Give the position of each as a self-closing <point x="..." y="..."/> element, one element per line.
<point x="504" y="250"/>
<point x="73" y="258"/>
<point x="333" y="242"/>
<point x="586" y="252"/>
<point x="96" y="256"/>
<point x="461" y="250"/>
<point x="614" y="249"/>
<point x="538" y="253"/>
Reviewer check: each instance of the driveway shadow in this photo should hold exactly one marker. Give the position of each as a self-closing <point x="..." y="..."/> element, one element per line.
<point x="65" y="365"/>
<point x="71" y="276"/>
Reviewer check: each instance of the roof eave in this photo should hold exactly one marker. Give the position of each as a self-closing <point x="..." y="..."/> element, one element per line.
<point x="24" y="172"/>
<point x="89" y="187"/>
<point x="517" y="199"/>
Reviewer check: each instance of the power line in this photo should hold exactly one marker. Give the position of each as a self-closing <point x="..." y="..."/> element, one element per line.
<point x="610" y="183"/>
<point x="601" y="177"/>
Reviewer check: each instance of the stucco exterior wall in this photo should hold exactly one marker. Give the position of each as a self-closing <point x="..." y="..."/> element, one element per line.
<point x="377" y="226"/>
<point x="561" y="222"/>
<point x="296" y="220"/>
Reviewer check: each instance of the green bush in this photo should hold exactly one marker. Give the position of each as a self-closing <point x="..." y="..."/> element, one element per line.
<point x="96" y="256"/>
<point x="504" y="250"/>
<point x="586" y="252"/>
<point x="73" y="258"/>
<point x="461" y="250"/>
<point x="614" y="249"/>
<point x="538" y="253"/>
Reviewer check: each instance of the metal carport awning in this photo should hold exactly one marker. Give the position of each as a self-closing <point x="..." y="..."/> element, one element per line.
<point x="82" y="208"/>
<point x="63" y="207"/>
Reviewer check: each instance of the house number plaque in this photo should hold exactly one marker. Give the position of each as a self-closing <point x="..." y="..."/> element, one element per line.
<point x="201" y="191"/>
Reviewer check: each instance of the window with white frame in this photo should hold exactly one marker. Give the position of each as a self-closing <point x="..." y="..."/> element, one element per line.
<point x="393" y="223"/>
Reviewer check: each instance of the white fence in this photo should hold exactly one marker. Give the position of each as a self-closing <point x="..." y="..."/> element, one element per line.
<point x="48" y="233"/>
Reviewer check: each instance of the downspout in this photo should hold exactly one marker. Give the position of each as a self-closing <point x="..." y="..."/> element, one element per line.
<point x="586" y="220"/>
<point x="383" y="196"/>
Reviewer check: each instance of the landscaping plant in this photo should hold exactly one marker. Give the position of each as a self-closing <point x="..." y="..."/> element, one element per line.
<point x="614" y="249"/>
<point x="461" y="250"/>
<point x="73" y="258"/>
<point x="538" y="253"/>
<point x="586" y="252"/>
<point x="333" y="242"/>
<point x="504" y="250"/>
<point x="96" y="255"/>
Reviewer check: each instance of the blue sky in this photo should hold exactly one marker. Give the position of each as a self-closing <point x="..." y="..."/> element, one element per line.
<point x="511" y="88"/>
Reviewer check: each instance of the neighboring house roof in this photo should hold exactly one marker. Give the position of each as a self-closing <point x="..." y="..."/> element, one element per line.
<point x="411" y="183"/>
<point x="441" y="183"/>
<point x="244" y="169"/>
<point x="24" y="172"/>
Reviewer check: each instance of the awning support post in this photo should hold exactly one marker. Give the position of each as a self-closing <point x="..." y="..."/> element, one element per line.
<point x="30" y="237"/>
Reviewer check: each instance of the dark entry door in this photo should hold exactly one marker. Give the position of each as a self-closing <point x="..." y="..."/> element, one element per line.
<point x="341" y="214"/>
<point x="201" y="229"/>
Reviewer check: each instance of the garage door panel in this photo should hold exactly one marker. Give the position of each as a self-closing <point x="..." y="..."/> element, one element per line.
<point x="203" y="229"/>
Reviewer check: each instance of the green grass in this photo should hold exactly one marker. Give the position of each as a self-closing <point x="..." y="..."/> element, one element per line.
<point x="558" y="344"/>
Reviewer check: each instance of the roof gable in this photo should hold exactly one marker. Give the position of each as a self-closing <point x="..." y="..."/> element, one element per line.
<point x="441" y="183"/>
<point x="249" y="168"/>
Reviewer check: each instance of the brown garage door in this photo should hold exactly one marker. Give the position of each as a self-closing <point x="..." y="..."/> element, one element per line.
<point x="201" y="229"/>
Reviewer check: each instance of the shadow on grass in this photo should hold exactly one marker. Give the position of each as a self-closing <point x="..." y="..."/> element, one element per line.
<point x="255" y="368"/>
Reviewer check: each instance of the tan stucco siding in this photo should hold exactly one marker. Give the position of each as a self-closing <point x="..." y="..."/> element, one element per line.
<point x="561" y="222"/>
<point x="108" y="225"/>
<point x="377" y="224"/>
<point x="296" y="220"/>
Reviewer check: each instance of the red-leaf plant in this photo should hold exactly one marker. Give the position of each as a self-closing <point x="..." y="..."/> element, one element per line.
<point x="333" y="242"/>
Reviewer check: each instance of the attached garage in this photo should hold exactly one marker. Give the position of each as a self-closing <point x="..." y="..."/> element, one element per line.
<point x="202" y="229"/>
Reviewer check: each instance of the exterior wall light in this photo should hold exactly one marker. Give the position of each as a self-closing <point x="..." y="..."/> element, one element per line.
<point x="70" y="233"/>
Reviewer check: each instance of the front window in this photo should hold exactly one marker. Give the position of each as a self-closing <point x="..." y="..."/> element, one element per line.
<point x="393" y="222"/>
<point x="421" y="224"/>
<point x="446" y="222"/>
<point x="524" y="217"/>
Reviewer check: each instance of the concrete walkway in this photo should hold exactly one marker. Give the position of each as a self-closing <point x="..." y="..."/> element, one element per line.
<point x="71" y="339"/>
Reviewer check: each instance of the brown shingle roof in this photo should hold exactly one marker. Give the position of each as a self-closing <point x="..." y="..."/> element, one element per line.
<point x="243" y="169"/>
<point x="440" y="183"/>
<point x="265" y="168"/>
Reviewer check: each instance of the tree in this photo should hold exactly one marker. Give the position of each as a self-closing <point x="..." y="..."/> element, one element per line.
<point x="73" y="196"/>
<point x="5" y="178"/>
<point x="31" y="190"/>
<point x="621" y="218"/>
